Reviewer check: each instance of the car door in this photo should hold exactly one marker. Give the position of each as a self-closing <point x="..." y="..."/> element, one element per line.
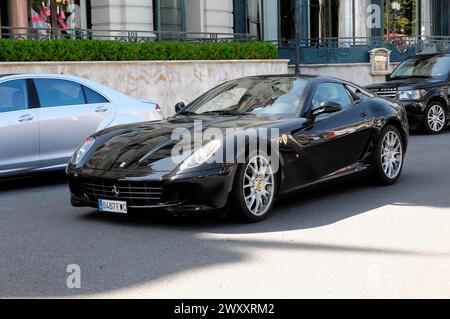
<point x="332" y="143"/>
<point x="19" y="129"/>
<point x="69" y="113"/>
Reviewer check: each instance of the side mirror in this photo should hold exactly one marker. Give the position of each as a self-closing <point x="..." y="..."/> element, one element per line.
<point x="180" y="106"/>
<point x="388" y="77"/>
<point x="326" y="107"/>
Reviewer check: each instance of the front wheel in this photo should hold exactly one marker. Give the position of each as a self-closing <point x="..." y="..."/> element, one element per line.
<point x="389" y="156"/>
<point x="254" y="189"/>
<point x="435" y="118"/>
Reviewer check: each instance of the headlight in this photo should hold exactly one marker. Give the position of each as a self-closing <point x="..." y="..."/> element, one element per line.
<point x="411" y="95"/>
<point x="202" y="155"/>
<point x="81" y="151"/>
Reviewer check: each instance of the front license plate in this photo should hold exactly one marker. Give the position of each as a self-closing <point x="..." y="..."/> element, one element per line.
<point x="112" y="206"/>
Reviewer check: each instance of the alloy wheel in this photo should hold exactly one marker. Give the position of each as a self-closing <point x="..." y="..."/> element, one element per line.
<point x="392" y="154"/>
<point x="258" y="185"/>
<point x="436" y="118"/>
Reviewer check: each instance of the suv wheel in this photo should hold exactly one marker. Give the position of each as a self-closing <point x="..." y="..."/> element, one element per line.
<point x="435" y="118"/>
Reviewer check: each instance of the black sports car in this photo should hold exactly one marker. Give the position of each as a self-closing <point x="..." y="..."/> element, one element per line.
<point x="254" y="139"/>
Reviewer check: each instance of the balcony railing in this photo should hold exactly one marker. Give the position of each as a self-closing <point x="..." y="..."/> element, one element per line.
<point x="312" y="51"/>
<point x="129" y="36"/>
<point x="356" y="50"/>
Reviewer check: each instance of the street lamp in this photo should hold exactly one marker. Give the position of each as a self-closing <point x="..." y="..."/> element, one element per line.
<point x="396" y="7"/>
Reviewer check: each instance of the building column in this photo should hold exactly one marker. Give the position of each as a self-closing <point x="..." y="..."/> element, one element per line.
<point x="303" y="19"/>
<point x="120" y="15"/>
<point x="18" y="15"/>
<point x="270" y="20"/>
<point x="195" y="16"/>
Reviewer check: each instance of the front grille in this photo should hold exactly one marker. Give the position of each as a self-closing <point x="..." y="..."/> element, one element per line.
<point x="134" y="193"/>
<point x="389" y="93"/>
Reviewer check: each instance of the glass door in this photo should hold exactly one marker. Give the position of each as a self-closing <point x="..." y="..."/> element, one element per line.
<point x="169" y="15"/>
<point x="61" y="14"/>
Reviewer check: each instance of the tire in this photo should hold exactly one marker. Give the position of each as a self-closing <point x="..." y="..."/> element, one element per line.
<point x="253" y="208"/>
<point x="389" y="156"/>
<point x="435" y="118"/>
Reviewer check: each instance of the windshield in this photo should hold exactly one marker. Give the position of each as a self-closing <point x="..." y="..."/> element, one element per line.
<point x="437" y="66"/>
<point x="279" y="96"/>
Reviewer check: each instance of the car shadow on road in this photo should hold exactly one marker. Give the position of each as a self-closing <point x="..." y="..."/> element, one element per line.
<point x="32" y="181"/>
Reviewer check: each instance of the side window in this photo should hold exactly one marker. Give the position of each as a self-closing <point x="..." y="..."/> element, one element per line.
<point x="13" y="96"/>
<point x="52" y="92"/>
<point x="331" y="92"/>
<point x="93" y="97"/>
<point x="362" y="95"/>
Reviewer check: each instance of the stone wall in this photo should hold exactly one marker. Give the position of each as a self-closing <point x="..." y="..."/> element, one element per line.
<point x="358" y="73"/>
<point x="166" y="82"/>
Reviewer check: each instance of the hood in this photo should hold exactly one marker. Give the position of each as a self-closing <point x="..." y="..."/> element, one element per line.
<point x="149" y="145"/>
<point x="408" y="84"/>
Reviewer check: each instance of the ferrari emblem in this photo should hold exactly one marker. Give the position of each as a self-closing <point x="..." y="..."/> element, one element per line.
<point x="115" y="191"/>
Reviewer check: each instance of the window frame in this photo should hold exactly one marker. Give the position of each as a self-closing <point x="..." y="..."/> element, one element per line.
<point x="354" y="94"/>
<point x="156" y="4"/>
<point x="95" y="91"/>
<point x="56" y="79"/>
<point x="30" y="98"/>
<point x="344" y="107"/>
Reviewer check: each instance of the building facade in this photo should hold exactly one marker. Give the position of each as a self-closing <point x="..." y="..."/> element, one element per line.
<point x="329" y="31"/>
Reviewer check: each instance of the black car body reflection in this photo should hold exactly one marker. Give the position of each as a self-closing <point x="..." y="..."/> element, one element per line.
<point x="327" y="128"/>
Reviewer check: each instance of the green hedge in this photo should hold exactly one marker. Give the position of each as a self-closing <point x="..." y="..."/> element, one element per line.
<point x="101" y="50"/>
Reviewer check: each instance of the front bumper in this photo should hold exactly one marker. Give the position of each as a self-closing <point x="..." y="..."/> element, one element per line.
<point x="195" y="191"/>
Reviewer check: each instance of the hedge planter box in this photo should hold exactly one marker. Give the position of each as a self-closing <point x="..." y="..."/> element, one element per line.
<point x="167" y="82"/>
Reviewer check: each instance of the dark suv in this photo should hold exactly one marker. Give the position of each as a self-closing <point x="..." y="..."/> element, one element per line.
<point x="422" y="84"/>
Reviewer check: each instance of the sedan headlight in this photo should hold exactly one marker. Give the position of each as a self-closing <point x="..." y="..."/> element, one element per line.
<point x="81" y="151"/>
<point x="411" y="95"/>
<point x="202" y="155"/>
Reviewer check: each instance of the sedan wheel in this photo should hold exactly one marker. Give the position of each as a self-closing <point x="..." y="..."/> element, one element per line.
<point x="389" y="156"/>
<point x="254" y="190"/>
<point x="435" y="118"/>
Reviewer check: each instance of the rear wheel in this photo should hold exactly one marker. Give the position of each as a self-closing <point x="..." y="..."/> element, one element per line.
<point x="254" y="189"/>
<point x="389" y="156"/>
<point x="435" y="118"/>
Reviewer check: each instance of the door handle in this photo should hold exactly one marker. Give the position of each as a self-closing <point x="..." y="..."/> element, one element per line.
<point x="101" y="109"/>
<point x="362" y="114"/>
<point x="26" y="118"/>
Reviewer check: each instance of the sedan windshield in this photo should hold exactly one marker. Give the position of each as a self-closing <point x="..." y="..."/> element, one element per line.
<point x="278" y="96"/>
<point x="437" y="66"/>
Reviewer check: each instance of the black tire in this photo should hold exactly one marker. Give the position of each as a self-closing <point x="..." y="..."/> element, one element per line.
<point x="427" y="125"/>
<point x="379" y="174"/>
<point x="237" y="203"/>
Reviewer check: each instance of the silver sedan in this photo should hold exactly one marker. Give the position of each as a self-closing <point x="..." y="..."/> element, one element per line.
<point x="43" y="118"/>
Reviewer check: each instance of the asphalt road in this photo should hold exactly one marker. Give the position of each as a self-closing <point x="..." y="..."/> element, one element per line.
<point x="345" y="240"/>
